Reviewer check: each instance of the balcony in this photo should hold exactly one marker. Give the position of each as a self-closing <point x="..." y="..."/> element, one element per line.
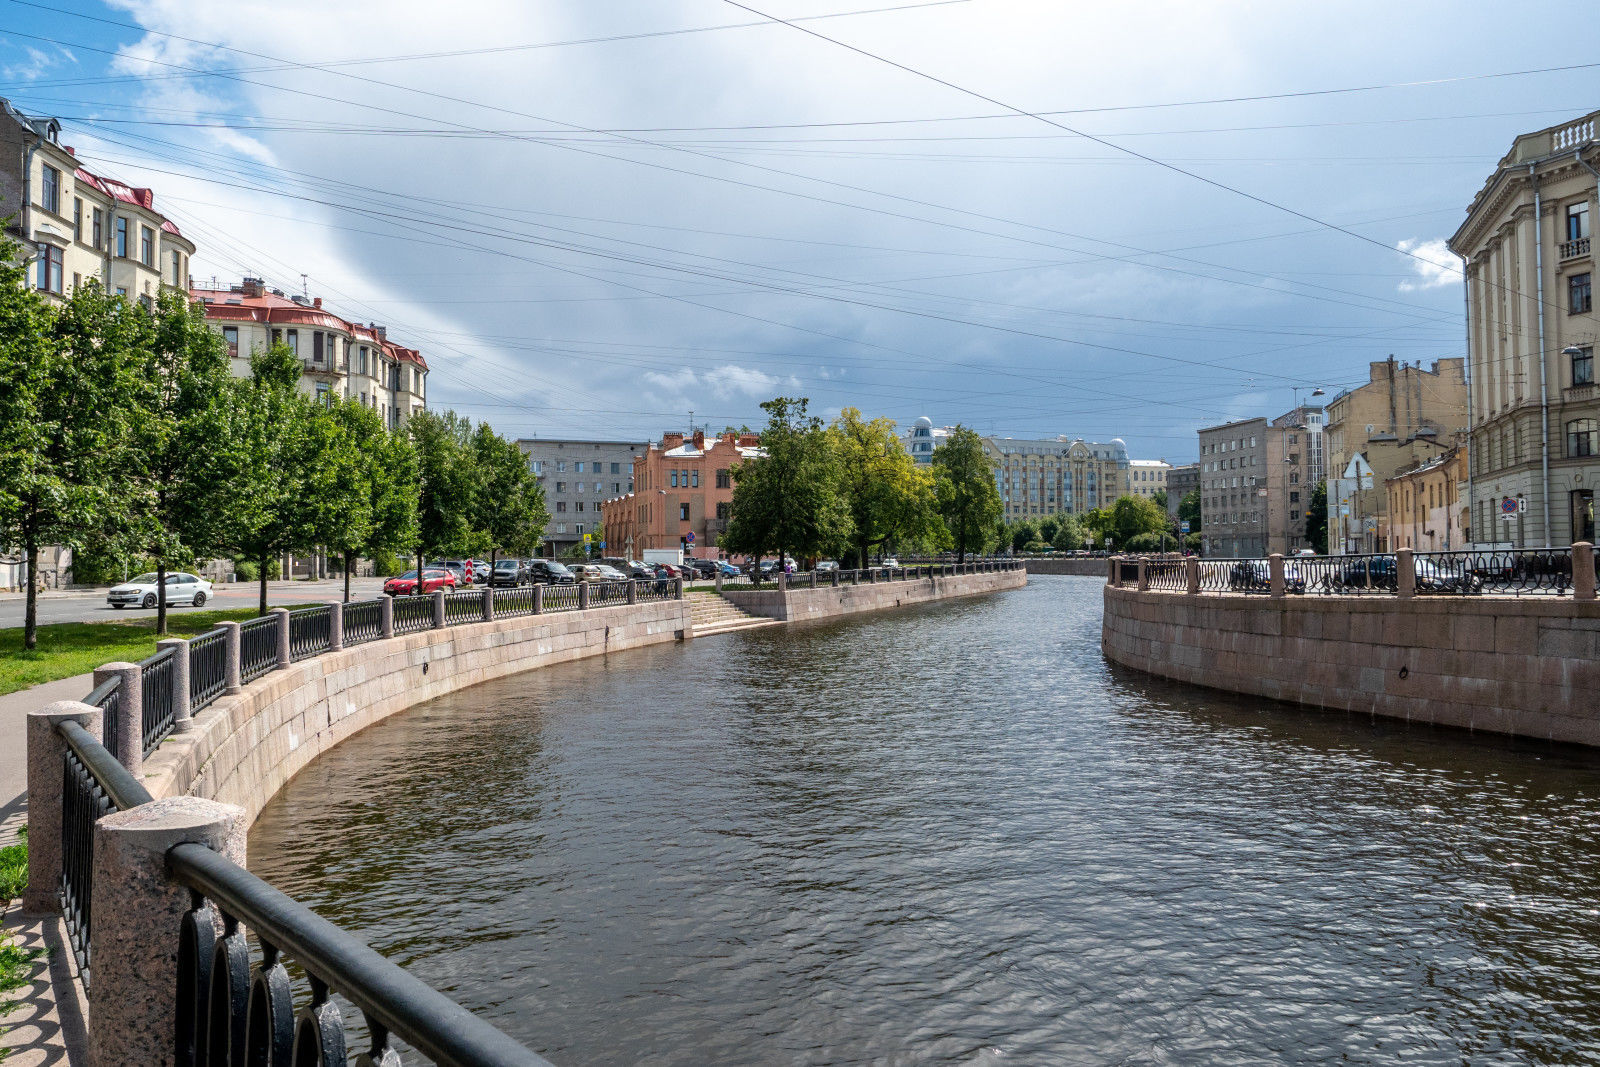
<point x="320" y="368"/>
<point x="1580" y="393"/>
<point x="1574" y="249"/>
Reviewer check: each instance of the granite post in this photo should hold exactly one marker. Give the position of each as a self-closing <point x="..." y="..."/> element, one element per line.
<point x="182" y="709"/>
<point x="130" y="713"/>
<point x="46" y="758"/>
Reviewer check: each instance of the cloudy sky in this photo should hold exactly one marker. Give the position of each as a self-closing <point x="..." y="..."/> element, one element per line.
<point x="1030" y="217"/>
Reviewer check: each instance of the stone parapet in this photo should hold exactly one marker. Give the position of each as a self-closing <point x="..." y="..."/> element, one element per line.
<point x="1081" y="566"/>
<point x="1525" y="666"/>
<point x="797" y="603"/>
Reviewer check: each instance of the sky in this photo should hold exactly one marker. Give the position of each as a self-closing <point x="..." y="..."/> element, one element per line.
<point x="603" y="220"/>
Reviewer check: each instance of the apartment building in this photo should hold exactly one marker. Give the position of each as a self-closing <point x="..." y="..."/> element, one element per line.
<point x="683" y="493"/>
<point x="923" y="438"/>
<point x="1426" y="512"/>
<point x="1531" y="333"/>
<point x="1147" y="477"/>
<point x="1255" y="486"/>
<point x="339" y="358"/>
<point x="1056" y="474"/>
<point x="75" y="225"/>
<point x="1181" y="481"/>
<point x="1403" y="415"/>
<point x="578" y="477"/>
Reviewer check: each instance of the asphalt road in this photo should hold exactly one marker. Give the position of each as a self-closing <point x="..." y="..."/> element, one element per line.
<point x="93" y="608"/>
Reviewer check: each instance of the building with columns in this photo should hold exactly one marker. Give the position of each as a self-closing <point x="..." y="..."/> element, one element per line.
<point x="1531" y="332"/>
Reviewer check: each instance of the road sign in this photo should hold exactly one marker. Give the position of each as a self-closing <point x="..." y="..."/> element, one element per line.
<point x="1184" y="526"/>
<point x="585" y="538"/>
<point x="1508" y="505"/>
<point x="602" y="546"/>
<point x="689" y="537"/>
<point x="1108" y="540"/>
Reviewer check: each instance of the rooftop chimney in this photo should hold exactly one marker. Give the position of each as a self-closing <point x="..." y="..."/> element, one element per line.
<point x="253" y="287"/>
<point x="699" y="440"/>
<point x="749" y="440"/>
<point x="671" y="440"/>
<point x="316" y="302"/>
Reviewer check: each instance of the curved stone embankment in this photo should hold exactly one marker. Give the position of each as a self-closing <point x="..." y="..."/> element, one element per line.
<point x="1079" y="566"/>
<point x="797" y="603"/>
<point x="1528" y="667"/>
<point x="244" y="747"/>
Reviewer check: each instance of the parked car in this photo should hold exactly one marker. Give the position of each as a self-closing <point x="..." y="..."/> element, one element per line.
<point x="549" y="572"/>
<point x="512" y="572"/>
<point x="1434" y="578"/>
<point x="727" y="570"/>
<point x="639" y="571"/>
<point x="702" y="568"/>
<point x="480" y="570"/>
<point x="890" y="562"/>
<point x="142" y="591"/>
<point x="608" y="573"/>
<point x="1255" y="575"/>
<point x="1383" y="572"/>
<point x="433" y="579"/>
<point x="824" y="565"/>
<point x="667" y="570"/>
<point x="456" y="567"/>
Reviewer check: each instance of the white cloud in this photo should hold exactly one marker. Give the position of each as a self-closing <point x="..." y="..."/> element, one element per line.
<point x="1435" y="264"/>
<point x="37" y="65"/>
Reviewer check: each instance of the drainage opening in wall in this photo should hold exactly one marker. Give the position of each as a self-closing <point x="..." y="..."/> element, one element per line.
<point x="424" y="666"/>
<point x="1404" y="671"/>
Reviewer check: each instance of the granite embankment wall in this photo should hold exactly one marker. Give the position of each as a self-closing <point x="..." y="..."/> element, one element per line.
<point x="795" y="604"/>
<point x="244" y="747"/>
<point x="1081" y="566"/>
<point x="1528" y="667"/>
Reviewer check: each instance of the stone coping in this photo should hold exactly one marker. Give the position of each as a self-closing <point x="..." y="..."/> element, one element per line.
<point x="801" y="602"/>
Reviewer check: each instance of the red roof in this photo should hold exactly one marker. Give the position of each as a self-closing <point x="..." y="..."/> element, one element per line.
<point x="144" y="198"/>
<point x="229" y="305"/>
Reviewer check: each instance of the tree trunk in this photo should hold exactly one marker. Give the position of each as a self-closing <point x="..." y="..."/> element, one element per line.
<point x="161" y="597"/>
<point x="349" y="562"/>
<point x="417" y="587"/>
<point x="30" y="617"/>
<point x="261" y="607"/>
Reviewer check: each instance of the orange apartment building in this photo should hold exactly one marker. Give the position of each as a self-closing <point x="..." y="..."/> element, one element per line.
<point x="680" y="487"/>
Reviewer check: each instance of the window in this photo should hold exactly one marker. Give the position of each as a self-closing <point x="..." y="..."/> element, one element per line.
<point x="577" y="506"/>
<point x="50" y="191"/>
<point x="561" y="527"/>
<point x="561" y="487"/>
<point x="722" y="510"/>
<point x="561" y="507"/>
<point x="694" y="479"/>
<point x="1579" y="300"/>
<point x="616" y="468"/>
<point x="294" y="341"/>
<point x="1581" y="437"/>
<point x="578" y="467"/>
<point x="323" y="396"/>
<point x="97" y="227"/>
<point x="1583" y="366"/>
<point x="230" y="334"/>
<point x="673" y="478"/>
<point x="1294" y="498"/>
<point x="361" y="358"/>
<point x="616" y="487"/>
<point x="177" y="263"/>
<point x="122" y="238"/>
<point x="683" y="512"/>
<point x="579" y="528"/>
<point x="49" y="268"/>
<point x="77" y="218"/>
<point x="316" y="345"/>
<point x="561" y="466"/>
<point x="147" y="246"/>
<point x="1578" y="221"/>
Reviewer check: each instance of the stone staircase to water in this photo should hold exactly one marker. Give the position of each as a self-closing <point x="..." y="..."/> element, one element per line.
<point x="713" y="614"/>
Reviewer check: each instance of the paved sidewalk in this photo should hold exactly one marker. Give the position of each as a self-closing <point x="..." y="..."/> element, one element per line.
<point x="14" y="708"/>
<point x="42" y="1029"/>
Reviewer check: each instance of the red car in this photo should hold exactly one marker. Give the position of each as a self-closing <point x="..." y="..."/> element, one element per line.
<point x="432" y="581"/>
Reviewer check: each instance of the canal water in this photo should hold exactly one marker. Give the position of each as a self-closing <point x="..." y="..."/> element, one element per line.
<point x="954" y="834"/>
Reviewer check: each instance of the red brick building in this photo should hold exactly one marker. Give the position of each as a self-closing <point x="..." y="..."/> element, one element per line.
<point x="680" y="487"/>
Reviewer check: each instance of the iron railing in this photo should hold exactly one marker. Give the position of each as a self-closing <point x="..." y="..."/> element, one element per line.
<point x="208" y="668"/>
<point x="258" y="647"/>
<point x="157" y="709"/>
<point x="1354" y="575"/>
<point x="514" y="602"/>
<point x="93" y="784"/>
<point x="107" y="696"/>
<point x="561" y="598"/>
<point x="1167" y="573"/>
<point x="1525" y="572"/>
<point x="413" y="613"/>
<point x="463" y="607"/>
<point x="652" y="589"/>
<point x="310" y="632"/>
<point x="603" y="593"/>
<point x="363" y="622"/>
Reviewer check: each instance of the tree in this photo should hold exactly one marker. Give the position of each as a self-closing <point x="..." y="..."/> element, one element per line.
<point x="968" y="499"/>
<point x="789" y="498"/>
<point x="67" y="392"/>
<point x="889" y="497"/>
<point x="510" y="500"/>
<point x="1069" y="535"/>
<point x="182" y="378"/>
<point x="1132" y="516"/>
<point x="1317" y="518"/>
<point x="1189" y="510"/>
<point x="335" y="507"/>
<point x="447" y="484"/>
<point x="1023" y="533"/>
<point x="1159" y="498"/>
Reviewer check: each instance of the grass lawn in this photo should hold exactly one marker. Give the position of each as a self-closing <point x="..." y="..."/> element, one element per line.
<point x="69" y="648"/>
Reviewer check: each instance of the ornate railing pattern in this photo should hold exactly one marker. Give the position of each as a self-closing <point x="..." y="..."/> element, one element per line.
<point x="1522" y="572"/>
<point x="601" y="593"/>
<point x="156" y="705"/>
<point x="514" y="602"/>
<point x="1167" y="574"/>
<point x="362" y="622"/>
<point x="107" y="696"/>
<point x="653" y="589"/>
<point x="561" y="598"/>
<point x="258" y="648"/>
<point x="412" y="613"/>
<point x="466" y="606"/>
<point x="310" y="632"/>
<point x="1528" y="572"/>
<point x="208" y="668"/>
<point x="1350" y="575"/>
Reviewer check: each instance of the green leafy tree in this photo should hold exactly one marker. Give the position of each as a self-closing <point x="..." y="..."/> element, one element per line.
<point x="447" y="484"/>
<point x="789" y="498"/>
<point x="510" y="500"/>
<point x="964" y="485"/>
<point x="182" y="380"/>
<point x="1159" y="498"/>
<point x="1189" y="510"/>
<point x="1069" y="534"/>
<point x="68" y="386"/>
<point x="335" y="506"/>
<point x="1024" y="532"/>
<point x="1128" y="517"/>
<point x="890" y="498"/>
<point x="1317" y="518"/>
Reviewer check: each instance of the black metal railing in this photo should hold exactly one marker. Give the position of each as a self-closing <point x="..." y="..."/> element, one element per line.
<point x="1523" y="572"/>
<point x="463" y="607"/>
<point x="362" y="622"/>
<point x="514" y="602"/>
<point x="1127" y="572"/>
<point x="561" y="598"/>
<point x="310" y="632"/>
<point x="208" y="668"/>
<point x="413" y="613"/>
<point x="258" y="647"/>
<point x="93" y="784"/>
<point x="1167" y="574"/>
<point x="157" y="709"/>
<point x="653" y="589"/>
<point x="604" y="593"/>
<point x="230" y="1012"/>
<point x="1357" y="575"/>
<point x="107" y="696"/>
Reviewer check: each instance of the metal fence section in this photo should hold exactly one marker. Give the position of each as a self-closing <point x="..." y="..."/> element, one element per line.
<point x="412" y="613"/>
<point x="258" y="648"/>
<point x="465" y="606"/>
<point x="208" y="668"/>
<point x="513" y="602"/>
<point x="107" y="696"/>
<point x="310" y="632"/>
<point x="363" y="622"/>
<point x="1351" y="575"/>
<point x="653" y="589"/>
<point x="1526" y="572"/>
<point x="1168" y="574"/>
<point x="157" y="708"/>
<point x="602" y="593"/>
<point x="243" y="1014"/>
<point x="561" y="598"/>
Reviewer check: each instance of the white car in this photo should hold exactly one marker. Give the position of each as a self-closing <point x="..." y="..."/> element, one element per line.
<point x="890" y="562"/>
<point x="140" y="592"/>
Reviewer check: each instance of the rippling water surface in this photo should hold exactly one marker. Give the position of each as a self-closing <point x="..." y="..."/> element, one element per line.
<point x="955" y="834"/>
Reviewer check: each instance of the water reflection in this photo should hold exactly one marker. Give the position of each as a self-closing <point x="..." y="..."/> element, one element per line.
<point x="954" y="834"/>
